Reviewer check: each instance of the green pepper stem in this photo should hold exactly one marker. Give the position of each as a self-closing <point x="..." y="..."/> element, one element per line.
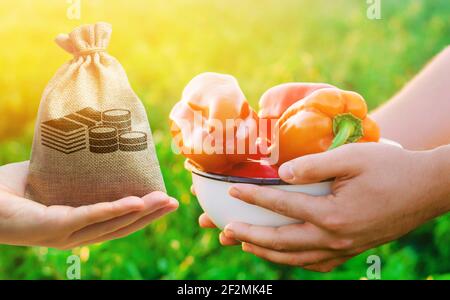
<point x="347" y="129"/>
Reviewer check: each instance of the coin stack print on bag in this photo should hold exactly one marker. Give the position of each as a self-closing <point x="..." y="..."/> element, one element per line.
<point x="118" y="118"/>
<point x="103" y="139"/>
<point x="108" y="132"/>
<point x="133" y="141"/>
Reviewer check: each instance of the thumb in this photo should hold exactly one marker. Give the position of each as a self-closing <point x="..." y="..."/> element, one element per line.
<point x="318" y="167"/>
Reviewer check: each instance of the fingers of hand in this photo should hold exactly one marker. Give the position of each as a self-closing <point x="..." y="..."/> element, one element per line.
<point x="205" y="221"/>
<point x="138" y="225"/>
<point x="294" y="237"/>
<point x="321" y="166"/>
<point x="292" y="204"/>
<point x="226" y="241"/>
<point x="327" y="266"/>
<point x="299" y="259"/>
<point x="83" y="216"/>
<point x="90" y="222"/>
<point x="152" y="203"/>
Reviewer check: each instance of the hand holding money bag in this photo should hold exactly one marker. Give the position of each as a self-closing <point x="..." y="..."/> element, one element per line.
<point x="92" y="141"/>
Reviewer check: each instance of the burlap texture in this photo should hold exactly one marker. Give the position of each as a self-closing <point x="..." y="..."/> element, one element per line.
<point x="92" y="79"/>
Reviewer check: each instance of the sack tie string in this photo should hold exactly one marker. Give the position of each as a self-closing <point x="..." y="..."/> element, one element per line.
<point x="89" y="51"/>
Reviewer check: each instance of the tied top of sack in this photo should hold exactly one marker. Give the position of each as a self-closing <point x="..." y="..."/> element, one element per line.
<point x="86" y="39"/>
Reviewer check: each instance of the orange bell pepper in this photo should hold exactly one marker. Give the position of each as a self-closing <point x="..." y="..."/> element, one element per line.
<point x="276" y="100"/>
<point x="213" y="124"/>
<point x="324" y="120"/>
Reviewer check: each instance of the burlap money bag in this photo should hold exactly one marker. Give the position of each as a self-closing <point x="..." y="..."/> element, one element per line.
<point x="92" y="139"/>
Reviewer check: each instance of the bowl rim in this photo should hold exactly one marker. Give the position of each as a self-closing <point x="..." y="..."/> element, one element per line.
<point x="235" y="179"/>
<point x="257" y="180"/>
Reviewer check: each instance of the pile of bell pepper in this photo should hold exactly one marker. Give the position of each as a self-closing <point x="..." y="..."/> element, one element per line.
<point x="306" y="118"/>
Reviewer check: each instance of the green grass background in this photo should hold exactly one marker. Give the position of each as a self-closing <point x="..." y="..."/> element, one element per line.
<point x="162" y="45"/>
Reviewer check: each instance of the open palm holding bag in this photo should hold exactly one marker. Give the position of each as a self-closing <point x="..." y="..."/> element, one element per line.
<point x="92" y="141"/>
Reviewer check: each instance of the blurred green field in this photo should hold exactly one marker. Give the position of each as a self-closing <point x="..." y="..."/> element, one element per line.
<point x="162" y="45"/>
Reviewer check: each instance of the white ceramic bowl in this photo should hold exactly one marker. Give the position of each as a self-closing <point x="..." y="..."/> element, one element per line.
<point x="212" y="194"/>
<point x="222" y="209"/>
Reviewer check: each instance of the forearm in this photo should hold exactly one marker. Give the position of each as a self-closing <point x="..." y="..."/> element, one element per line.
<point x="418" y="116"/>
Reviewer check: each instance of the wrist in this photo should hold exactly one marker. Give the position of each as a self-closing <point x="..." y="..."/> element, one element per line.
<point x="437" y="164"/>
